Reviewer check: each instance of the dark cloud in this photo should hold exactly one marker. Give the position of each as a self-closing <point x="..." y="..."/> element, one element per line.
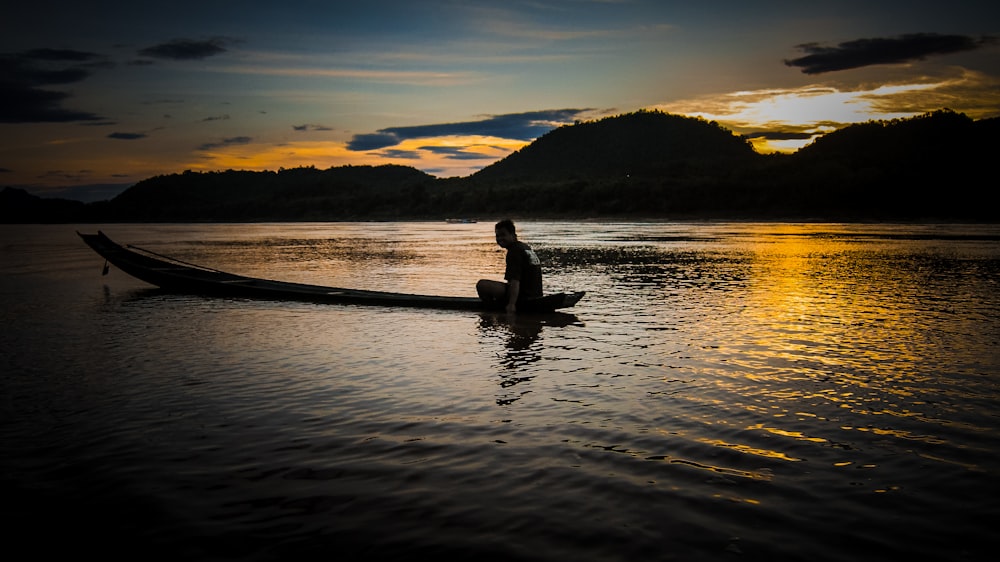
<point x="64" y="175"/>
<point x="399" y="153"/>
<point x="39" y="64"/>
<point x="49" y="77"/>
<point x="24" y="75"/>
<point x="231" y="141"/>
<point x="449" y="152"/>
<point x="32" y="105"/>
<point x="217" y="118"/>
<point x="127" y="136"/>
<point x="455" y="153"/>
<point x="88" y="192"/>
<point x="61" y="55"/>
<point x="373" y="141"/>
<point x="521" y="126"/>
<point x="310" y="127"/>
<point x="866" y="52"/>
<point x="185" y="49"/>
<point x="780" y="135"/>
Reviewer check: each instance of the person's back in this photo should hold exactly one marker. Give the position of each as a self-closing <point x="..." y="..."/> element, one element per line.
<point x="523" y="264"/>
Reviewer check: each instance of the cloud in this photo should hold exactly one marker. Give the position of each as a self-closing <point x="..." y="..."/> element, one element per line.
<point x="373" y="141"/>
<point x="87" y="193"/>
<point x="520" y="126"/>
<point x="456" y="153"/>
<point x="231" y="141"/>
<point x="186" y="49"/>
<point x="61" y="55"/>
<point x="779" y="135"/>
<point x="31" y="105"/>
<point x="866" y="52"/>
<point x="403" y="154"/>
<point x="311" y="127"/>
<point x="216" y="118"/>
<point x="127" y="136"/>
<point x="24" y="75"/>
<point x="63" y="175"/>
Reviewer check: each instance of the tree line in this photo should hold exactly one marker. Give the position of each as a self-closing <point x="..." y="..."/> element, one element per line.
<point x="646" y="164"/>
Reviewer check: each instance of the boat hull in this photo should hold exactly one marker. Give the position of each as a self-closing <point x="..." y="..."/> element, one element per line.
<point x="173" y="275"/>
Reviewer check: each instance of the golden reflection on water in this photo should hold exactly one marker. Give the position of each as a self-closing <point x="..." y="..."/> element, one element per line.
<point x="813" y="304"/>
<point x="744" y="448"/>
<point x="813" y="327"/>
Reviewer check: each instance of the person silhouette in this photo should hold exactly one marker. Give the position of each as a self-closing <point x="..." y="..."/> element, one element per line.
<point x="523" y="272"/>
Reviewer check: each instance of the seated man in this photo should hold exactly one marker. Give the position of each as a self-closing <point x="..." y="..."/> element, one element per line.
<point x="523" y="272"/>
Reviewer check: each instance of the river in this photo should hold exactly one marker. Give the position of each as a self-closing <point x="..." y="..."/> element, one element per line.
<point x="725" y="391"/>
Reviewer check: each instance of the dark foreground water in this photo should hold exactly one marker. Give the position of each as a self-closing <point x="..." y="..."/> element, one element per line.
<point x="724" y="392"/>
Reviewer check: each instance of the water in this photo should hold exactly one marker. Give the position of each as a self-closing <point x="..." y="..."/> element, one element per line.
<point x="725" y="391"/>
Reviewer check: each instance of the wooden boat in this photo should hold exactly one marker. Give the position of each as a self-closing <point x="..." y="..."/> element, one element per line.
<point x="174" y="275"/>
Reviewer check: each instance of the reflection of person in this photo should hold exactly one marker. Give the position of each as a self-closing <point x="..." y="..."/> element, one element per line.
<point x="520" y="337"/>
<point x="523" y="272"/>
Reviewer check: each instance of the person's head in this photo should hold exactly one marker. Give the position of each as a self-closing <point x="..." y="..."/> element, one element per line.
<point x="506" y="233"/>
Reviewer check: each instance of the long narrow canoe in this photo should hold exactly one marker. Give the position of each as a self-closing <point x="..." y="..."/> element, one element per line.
<point x="174" y="275"/>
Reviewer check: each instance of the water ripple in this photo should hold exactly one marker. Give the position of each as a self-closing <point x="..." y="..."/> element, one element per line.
<point x="817" y="392"/>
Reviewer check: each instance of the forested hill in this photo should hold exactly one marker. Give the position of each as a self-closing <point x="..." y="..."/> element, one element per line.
<point x="292" y="194"/>
<point x="643" y="165"/>
<point x="647" y="144"/>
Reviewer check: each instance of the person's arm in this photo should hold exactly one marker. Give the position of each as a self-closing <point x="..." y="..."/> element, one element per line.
<point x="512" y="292"/>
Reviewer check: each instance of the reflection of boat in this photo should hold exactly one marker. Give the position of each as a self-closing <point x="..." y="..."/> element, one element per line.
<point x="527" y="324"/>
<point x="174" y="275"/>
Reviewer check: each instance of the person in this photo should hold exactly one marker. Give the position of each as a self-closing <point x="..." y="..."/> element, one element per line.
<point x="523" y="271"/>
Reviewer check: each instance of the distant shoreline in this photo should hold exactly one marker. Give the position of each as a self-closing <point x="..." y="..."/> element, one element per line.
<point x="644" y="166"/>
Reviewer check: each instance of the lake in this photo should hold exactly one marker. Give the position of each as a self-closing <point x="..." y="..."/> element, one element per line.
<point x="725" y="391"/>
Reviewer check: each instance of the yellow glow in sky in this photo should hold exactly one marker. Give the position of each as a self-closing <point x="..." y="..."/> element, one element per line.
<point x="810" y="109"/>
<point x="436" y="153"/>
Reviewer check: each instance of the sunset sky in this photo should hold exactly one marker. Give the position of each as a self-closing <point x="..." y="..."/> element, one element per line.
<point x="97" y="96"/>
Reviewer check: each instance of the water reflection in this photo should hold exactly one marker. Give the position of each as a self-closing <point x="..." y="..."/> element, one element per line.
<point x="813" y="391"/>
<point x="522" y="346"/>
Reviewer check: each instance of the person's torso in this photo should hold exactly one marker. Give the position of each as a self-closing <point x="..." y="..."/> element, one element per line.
<point x="524" y="266"/>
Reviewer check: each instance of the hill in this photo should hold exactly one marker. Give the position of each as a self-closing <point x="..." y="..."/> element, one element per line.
<point x="642" y="144"/>
<point x="19" y="206"/>
<point x="646" y="164"/>
<point x="292" y="194"/>
<point x="651" y="164"/>
<point x="931" y="165"/>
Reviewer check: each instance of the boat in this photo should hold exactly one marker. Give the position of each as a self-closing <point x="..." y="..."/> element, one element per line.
<point x="177" y="276"/>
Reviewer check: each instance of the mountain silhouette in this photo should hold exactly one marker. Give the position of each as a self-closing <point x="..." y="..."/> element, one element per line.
<point x="646" y="164"/>
<point x="646" y="143"/>
<point x="288" y="194"/>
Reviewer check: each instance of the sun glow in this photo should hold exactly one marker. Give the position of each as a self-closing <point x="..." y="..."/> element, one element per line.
<point x="441" y="156"/>
<point x="784" y="120"/>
